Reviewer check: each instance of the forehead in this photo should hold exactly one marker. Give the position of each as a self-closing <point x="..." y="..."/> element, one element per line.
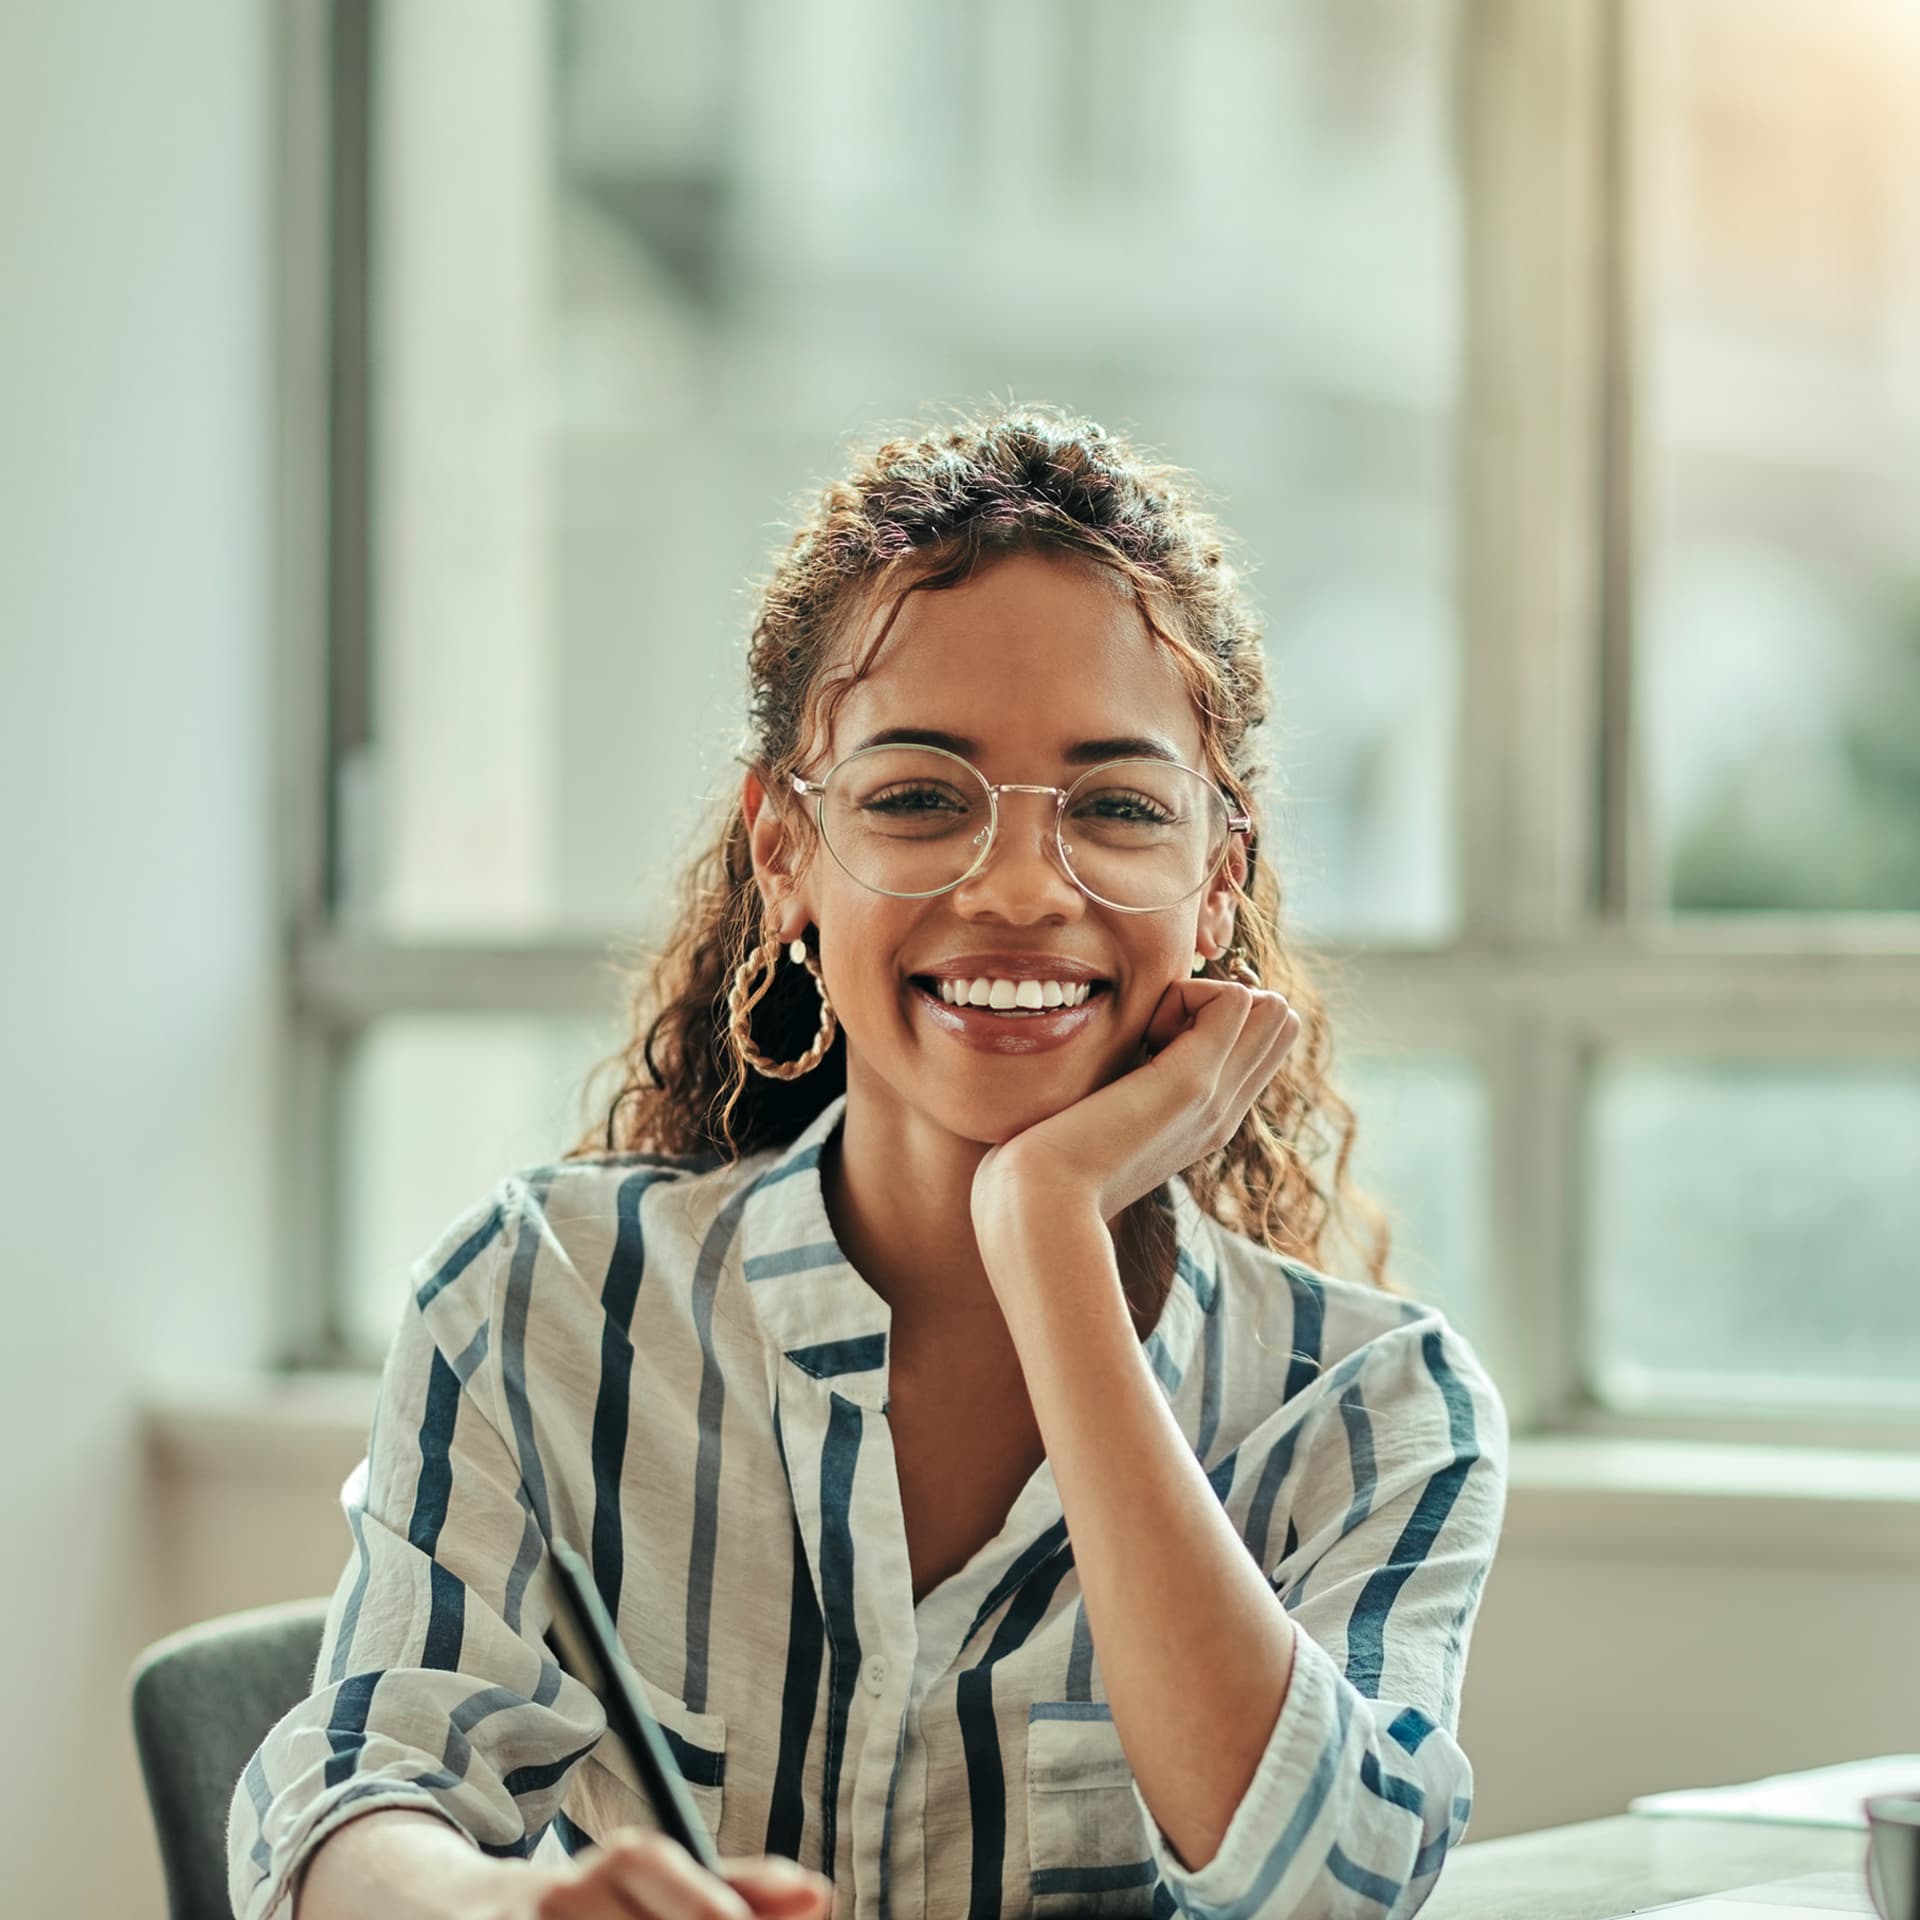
<point x="1033" y="656"/>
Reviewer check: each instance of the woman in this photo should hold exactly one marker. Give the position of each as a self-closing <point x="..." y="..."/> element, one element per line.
<point x="1001" y="1509"/>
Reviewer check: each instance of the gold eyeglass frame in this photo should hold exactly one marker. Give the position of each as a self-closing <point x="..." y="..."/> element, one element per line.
<point x="1237" y="822"/>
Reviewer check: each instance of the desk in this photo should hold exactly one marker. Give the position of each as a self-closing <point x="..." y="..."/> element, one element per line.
<point x="1602" y="1867"/>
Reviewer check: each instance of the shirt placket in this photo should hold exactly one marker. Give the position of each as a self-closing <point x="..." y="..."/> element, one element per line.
<point x="886" y="1656"/>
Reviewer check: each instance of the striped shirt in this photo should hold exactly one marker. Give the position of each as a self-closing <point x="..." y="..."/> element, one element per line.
<point x="670" y="1363"/>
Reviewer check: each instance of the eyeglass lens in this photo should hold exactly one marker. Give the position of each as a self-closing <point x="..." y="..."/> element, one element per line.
<point x="912" y="820"/>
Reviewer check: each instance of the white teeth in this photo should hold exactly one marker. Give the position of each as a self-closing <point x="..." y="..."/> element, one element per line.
<point x="1009" y="995"/>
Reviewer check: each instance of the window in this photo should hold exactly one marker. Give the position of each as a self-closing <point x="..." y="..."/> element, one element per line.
<point x="1559" y="371"/>
<point x="599" y="253"/>
<point x="1779" y="619"/>
<point x="1752" y="1231"/>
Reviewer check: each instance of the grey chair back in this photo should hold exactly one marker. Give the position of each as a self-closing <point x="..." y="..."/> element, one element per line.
<point x="203" y="1700"/>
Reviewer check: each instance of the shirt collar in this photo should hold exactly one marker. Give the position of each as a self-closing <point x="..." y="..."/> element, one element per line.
<point x="817" y="1310"/>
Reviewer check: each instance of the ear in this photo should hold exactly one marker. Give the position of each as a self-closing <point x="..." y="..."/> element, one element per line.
<point x="1214" y="933"/>
<point x="770" y="841"/>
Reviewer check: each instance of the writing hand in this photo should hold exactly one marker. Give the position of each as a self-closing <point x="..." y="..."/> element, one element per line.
<point x="639" y="1875"/>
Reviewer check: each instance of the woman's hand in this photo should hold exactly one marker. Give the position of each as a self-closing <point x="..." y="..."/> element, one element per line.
<point x="402" y="1863"/>
<point x="1210" y="1047"/>
<point x="639" y="1875"/>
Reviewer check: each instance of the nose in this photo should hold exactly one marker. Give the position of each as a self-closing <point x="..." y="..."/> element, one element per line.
<point x="1023" y="879"/>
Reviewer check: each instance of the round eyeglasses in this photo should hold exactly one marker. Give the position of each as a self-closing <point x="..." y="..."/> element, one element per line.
<point x="1137" y="835"/>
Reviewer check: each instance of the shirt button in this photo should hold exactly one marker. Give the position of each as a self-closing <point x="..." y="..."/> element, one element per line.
<point x="874" y="1673"/>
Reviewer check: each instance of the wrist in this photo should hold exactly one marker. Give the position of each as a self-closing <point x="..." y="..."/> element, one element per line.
<point x="403" y="1862"/>
<point x="1011" y="1213"/>
<point x="1050" y="1260"/>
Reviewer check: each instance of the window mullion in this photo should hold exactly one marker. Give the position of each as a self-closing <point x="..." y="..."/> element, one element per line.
<point x="1531" y="498"/>
<point x="1530" y="494"/>
<point x="307" y="1283"/>
<point x="309" y="49"/>
<point x="1623" y="874"/>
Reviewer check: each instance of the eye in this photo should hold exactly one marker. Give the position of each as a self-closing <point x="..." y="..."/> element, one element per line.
<point x="913" y="797"/>
<point x="1114" y="803"/>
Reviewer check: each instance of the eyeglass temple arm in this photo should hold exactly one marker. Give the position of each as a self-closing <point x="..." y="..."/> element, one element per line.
<point x="1243" y="823"/>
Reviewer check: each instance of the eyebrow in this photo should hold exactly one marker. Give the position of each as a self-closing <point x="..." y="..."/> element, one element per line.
<point x="1082" y="753"/>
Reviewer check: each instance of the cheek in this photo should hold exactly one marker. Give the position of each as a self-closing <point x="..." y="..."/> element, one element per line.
<point x="1164" y="961"/>
<point x="861" y="948"/>
<point x="1154" y="972"/>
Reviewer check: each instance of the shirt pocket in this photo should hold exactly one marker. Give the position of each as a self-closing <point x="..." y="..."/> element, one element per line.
<point x="698" y="1743"/>
<point x="1087" y="1845"/>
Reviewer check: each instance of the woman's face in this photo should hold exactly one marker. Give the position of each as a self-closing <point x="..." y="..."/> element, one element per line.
<point x="1035" y="655"/>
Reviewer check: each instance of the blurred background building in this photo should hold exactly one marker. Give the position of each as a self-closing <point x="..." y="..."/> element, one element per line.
<point x="401" y="397"/>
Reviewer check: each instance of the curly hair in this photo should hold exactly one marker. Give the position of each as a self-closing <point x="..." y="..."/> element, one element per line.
<point x="917" y="514"/>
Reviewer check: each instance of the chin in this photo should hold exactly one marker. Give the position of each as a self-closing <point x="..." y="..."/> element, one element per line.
<point x="988" y="1099"/>
<point x="993" y="1119"/>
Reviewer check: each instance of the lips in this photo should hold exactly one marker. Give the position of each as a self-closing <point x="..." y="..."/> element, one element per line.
<point x="1015" y="1031"/>
<point x="1010" y="966"/>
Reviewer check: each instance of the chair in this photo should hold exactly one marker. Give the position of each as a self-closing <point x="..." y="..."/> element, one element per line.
<point x="203" y="1700"/>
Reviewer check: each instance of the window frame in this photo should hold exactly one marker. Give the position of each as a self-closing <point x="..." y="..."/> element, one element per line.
<point x="1558" y="957"/>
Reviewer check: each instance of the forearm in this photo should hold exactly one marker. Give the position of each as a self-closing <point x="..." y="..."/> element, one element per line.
<point x="398" y="1863"/>
<point x="1195" y="1648"/>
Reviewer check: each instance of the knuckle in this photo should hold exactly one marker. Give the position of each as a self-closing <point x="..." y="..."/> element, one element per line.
<point x="640" y="1855"/>
<point x="709" y="1897"/>
<point x="630" y="1847"/>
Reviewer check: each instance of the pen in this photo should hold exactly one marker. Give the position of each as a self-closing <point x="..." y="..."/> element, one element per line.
<point x="583" y="1639"/>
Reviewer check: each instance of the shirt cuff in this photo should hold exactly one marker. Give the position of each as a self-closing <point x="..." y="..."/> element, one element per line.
<point x="1276" y="1843"/>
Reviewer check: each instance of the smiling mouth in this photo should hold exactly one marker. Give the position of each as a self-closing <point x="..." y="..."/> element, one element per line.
<point x="1012" y="1001"/>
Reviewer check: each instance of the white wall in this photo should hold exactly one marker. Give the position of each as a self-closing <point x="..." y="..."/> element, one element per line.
<point x="138" y="984"/>
<point x="1702" y="1619"/>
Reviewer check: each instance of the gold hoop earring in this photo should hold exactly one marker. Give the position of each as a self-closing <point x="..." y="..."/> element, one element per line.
<point x="742" y="998"/>
<point x="1236" y="963"/>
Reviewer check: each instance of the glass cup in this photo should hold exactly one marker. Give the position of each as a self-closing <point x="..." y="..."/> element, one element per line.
<point x="1893" y="1855"/>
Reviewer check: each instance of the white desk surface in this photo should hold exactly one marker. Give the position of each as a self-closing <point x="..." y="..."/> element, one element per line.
<point x="1605" y="1867"/>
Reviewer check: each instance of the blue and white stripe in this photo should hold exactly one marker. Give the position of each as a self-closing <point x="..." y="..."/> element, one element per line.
<point x="671" y="1364"/>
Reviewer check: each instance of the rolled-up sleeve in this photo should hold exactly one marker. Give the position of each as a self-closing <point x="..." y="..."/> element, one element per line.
<point x="433" y="1689"/>
<point x="1392" y="1470"/>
